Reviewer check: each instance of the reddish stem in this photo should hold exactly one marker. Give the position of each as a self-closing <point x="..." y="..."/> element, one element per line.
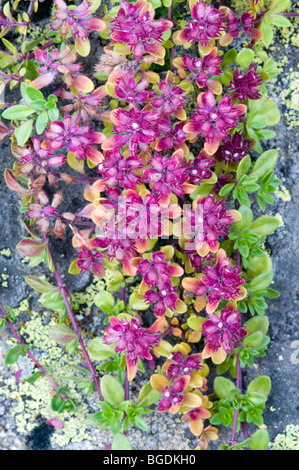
<point x="38" y="365"/>
<point x="65" y="296"/>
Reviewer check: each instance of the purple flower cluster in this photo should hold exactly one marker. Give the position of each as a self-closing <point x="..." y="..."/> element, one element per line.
<point x="130" y="337"/>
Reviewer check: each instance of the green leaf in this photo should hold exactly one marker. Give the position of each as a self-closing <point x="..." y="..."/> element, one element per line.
<point x="278" y="6"/>
<point x="264" y="225"/>
<point x="34" y="94"/>
<point x="246" y="220"/>
<point x="243" y="166"/>
<point x="62" y="334"/>
<point x="267" y="31"/>
<point x="121" y="442"/>
<point x="245" y="57"/>
<point x="226" y="189"/>
<point x="257" y="323"/>
<point x="260" y="282"/>
<point x="57" y="403"/>
<point x="136" y="303"/>
<point x="223" y="386"/>
<point x="265" y="109"/>
<point x="259" y="440"/>
<point x="112" y="390"/>
<point x="23" y="132"/>
<point x="265" y="162"/>
<point x="148" y="396"/>
<point x="105" y="301"/>
<point x="99" y="351"/>
<point x="141" y="423"/>
<point x="41" y="122"/>
<point x="253" y="340"/>
<point x="261" y="384"/>
<point x="17" y="112"/>
<point x="39" y="284"/>
<point x="13" y="354"/>
<point x="33" y="378"/>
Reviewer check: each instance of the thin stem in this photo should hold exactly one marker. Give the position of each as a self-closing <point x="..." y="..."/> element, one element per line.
<point x="38" y="365"/>
<point x="289" y="15"/>
<point x="65" y="296"/>
<point x="171" y="50"/>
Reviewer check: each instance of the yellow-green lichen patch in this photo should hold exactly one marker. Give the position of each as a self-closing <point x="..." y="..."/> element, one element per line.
<point x="5" y="252"/>
<point x="34" y="400"/>
<point x="289" y="440"/>
<point x="284" y="194"/>
<point x="279" y="217"/>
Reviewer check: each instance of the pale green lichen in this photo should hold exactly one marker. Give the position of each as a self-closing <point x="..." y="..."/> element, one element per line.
<point x="280" y="219"/>
<point x="284" y="194"/>
<point x="288" y="440"/>
<point x="5" y="252"/>
<point x="33" y="400"/>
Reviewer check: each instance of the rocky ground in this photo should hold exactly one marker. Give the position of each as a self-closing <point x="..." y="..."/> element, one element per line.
<point x="24" y="408"/>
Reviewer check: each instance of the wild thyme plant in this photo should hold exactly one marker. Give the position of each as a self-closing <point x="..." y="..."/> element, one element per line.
<point x="164" y="139"/>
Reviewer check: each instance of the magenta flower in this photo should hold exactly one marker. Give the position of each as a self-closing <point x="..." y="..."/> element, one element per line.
<point x="117" y="248"/>
<point x="131" y="337"/>
<point x="224" y="332"/>
<point x="164" y="300"/>
<point x="245" y="84"/>
<point x="134" y="26"/>
<point x="231" y="27"/>
<point x="84" y="104"/>
<point x="207" y="25"/>
<point x="173" y="395"/>
<point x="39" y="157"/>
<point x="210" y="221"/>
<point x="43" y="211"/>
<point x="221" y="281"/>
<point x="180" y="365"/>
<point x="234" y="148"/>
<point x="77" y="22"/>
<point x="213" y="120"/>
<point x="172" y="137"/>
<point x="199" y="69"/>
<point x="200" y="168"/>
<point x="250" y="26"/>
<point x="118" y="171"/>
<point x="128" y="89"/>
<point x="170" y="99"/>
<point x="133" y="127"/>
<point x="168" y="175"/>
<point x="157" y="272"/>
<point x="78" y="139"/>
<point x="52" y="64"/>
<point x="87" y="260"/>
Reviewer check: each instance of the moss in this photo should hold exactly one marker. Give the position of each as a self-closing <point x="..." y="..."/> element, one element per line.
<point x="288" y="440"/>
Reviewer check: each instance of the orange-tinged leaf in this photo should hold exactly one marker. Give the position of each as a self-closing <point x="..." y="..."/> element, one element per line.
<point x="82" y="47"/>
<point x="158" y="382"/>
<point x="31" y="248"/>
<point x="192" y="400"/>
<point x="196" y="427"/>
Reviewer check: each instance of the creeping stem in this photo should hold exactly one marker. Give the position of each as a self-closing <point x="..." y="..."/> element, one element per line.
<point x="65" y="296"/>
<point x="20" y="341"/>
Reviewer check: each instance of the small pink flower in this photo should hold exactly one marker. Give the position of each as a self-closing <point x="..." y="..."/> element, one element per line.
<point x="78" y="139"/>
<point x="207" y="25"/>
<point x="225" y="331"/>
<point x="55" y="423"/>
<point x="245" y="84"/>
<point x="133" y="127"/>
<point x="219" y="281"/>
<point x="213" y="120"/>
<point x="131" y="337"/>
<point x="134" y="25"/>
